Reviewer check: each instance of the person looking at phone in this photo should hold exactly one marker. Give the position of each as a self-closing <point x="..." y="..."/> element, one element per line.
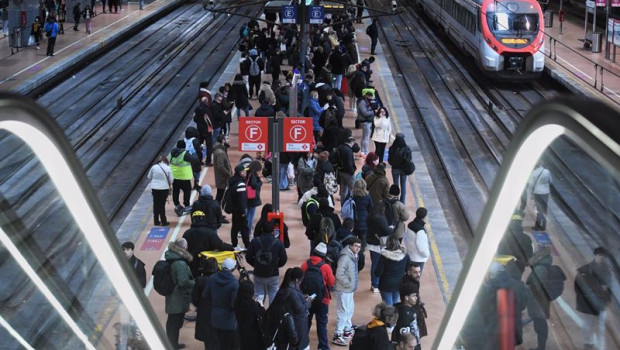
<point x="346" y="285"/>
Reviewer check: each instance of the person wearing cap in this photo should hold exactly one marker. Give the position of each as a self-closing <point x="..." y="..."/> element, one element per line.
<point x="255" y="79"/>
<point x="181" y="162"/>
<point x="135" y="263"/>
<point x="365" y="117"/>
<point x="160" y="177"/>
<point x="320" y="308"/>
<point x="222" y="168"/>
<point x="398" y="154"/>
<point x="416" y="240"/>
<point x="401" y="214"/>
<point x="266" y="273"/>
<point x="593" y="294"/>
<point x="221" y="290"/>
<point x="177" y="303"/>
<point x="237" y="185"/>
<point x="407" y="315"/>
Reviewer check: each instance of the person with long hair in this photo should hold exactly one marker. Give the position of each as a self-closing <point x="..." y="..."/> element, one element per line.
<point x="391" y="269"/>
<point x="160" y="177"/>
<point x="370" y="163"/>
<point x="204" y="331"/>
<point x="250" y="315"/>
<point x="293" y="333"/>
<point x="397" y="157"/>
<point x="253" y="186"/>
<point x="382" y="131"/>
<point x="363" y="206"/>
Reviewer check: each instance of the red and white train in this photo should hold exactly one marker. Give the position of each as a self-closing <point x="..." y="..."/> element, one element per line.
<point x="505" y="37"/>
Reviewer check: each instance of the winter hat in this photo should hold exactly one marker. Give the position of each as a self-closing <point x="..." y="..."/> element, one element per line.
<point x="320" y="250"/>
<point x="205" y="191"/>
<point x="239" y="168"/>
<point x="229" y="264"/>
<point x="253" y="52"/>
<point x="394" y="190"/>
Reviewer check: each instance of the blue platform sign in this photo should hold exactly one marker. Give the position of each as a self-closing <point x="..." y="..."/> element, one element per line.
<point x="317" y="14"/>
<point x="289" y="14"/>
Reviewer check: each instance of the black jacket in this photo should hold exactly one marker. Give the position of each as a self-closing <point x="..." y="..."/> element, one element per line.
<point x="200" y="114"/>
<point x="278" y="254"/>
<point x="398" y="153"/>
<point x="138" y="267"/>
<point x="391" y="269"/>
<point x="347" y="162"/>
<point x="239" y="94"/>
<point x="200" y="238"/>
<point x="250" y="315"/>
<point x="377" y="227"/>
<point x="212" y="210"/>
<point x="256" y="183"/>
<point x="265" y="110"/>
<point x="203" y="331"/>
<point x="218" y="115"/>
<point x="407" y="322"/>
<point x="289" y="299"/>
<point x="592" y="297"/>
<point x="239" y="194"/>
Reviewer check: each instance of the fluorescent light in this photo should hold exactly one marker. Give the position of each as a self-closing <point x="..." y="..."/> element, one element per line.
<point x="67" y="186"/>
<point x="527" y="156"/>
<point x="14" y="333"/>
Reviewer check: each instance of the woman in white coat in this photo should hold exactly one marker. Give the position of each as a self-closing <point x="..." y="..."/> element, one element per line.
<point x="382" y="131"/>
<point x="160" y="177"/>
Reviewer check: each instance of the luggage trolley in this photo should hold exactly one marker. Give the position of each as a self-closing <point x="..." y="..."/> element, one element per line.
<point x="237" y="255"/>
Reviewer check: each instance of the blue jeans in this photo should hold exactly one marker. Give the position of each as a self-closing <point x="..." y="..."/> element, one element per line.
<point x="246" y="110"/>
<point x="283" y="176"/>
<point x="338" y="84"/>
<point x="321" y="310"/>
<point x="396" y="174"/>
<point x="374" y="261"/>
<point x="216" y="132"/>
<point x="266" y="286"/>
<point x="366" y="129"/>
<point x="390" y="298"/>
<point x="250" y="214"/>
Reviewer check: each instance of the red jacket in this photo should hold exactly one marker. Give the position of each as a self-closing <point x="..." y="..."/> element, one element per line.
<point x="328" y="275"/>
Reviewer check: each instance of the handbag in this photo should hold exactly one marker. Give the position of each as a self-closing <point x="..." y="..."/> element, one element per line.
<point x="31" y="40"/>
<point x="209" y="125"/>
<point x="167" y="179"/>
<point x="273" y="345"/>
<point x="251" y="191"/>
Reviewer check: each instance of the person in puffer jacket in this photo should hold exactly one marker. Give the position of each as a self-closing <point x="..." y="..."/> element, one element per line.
<point x="390" y="270"/>
<point x="346" y="285"/>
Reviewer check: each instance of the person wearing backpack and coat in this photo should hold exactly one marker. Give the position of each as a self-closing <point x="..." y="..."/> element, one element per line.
<point x="239" y="94"/>
<point x="539" y="304"/>
<point x="259" y="229"/>
<point x="250" y="317"/>
<point x="416" y="239"/>
<point x="399" y="211"/>
<point x="177" y="303"/>
<point x="222" y="291"/>
<point x="257" y="65"/>
<point x="192" y="141"/>
<point x="377" y="228"/>
<point x="239" y="199"/>
<point x="267" y="255"/>
<point x="363" y="207"/>
<point x="292" y="331"/>
<point x="253" y="186"/>
<point x="346" y="285"/>
<point x="210" y="207"/>
<point x="373" y="32"/>
<point x="320" y="306"/>
<point x="385" y="316"/>
<point x="378" y="185"/>
<point x="391" y="269"/>
<point x="397" y="156"/>
<point x="181" y="164"/>
<point x="204" y="330"/>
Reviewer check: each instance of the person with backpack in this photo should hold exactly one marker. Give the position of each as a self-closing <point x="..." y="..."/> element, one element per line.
<point x="204" y="329"/>
<point x="378" y="185"/>
<point x="267" y="255"/>
<point x="292" y="331"/>
<point x="593" y="294"/>
<point x="363" y="207"/>
<point x="378" y="231"/>
<point x="373" y="32"/>
<point x="259" y="229"/>
<point x="257" y="65"/>
<point x="399" y="157"/>
<point x="253" y="185"/>
<point x="239" y="203"/>
<point x="250" y="318"/>
<point x="346" y="285"/>
<point x="193" y="146"/>
<point x="374" y="335"/>
<point x="318" y="280"/>
<point x="221" y="291"/>
<point x="177" y="303"/>
<point x="324" y="225"/>
<point x="416" y="239"/>
<point x="181" y="163"/>
<point x="239" y="94"/>
<point x="395" y="212"/>
<point x="391" y="269"/>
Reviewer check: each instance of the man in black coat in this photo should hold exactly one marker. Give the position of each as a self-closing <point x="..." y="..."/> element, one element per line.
<point x="240" y="205"/>
<point x="373" y="32"/>
<point x="136" y="264"/>
<point x="200" y="238"/>
<point x="347" y="167"/>
<point x="211" y="207"/>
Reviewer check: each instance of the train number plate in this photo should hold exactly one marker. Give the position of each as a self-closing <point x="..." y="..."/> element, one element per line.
<point x="514" y="41"/>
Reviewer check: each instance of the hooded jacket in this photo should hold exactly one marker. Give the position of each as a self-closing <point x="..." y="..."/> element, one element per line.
<point x="221" y="164"/>
<point x="212" y="210"/>
<point x="401" y="215"/>
<point x="398" y="152"/>
<point x="416" y="241"/>
<point x="290" y="299"/>
<point x="278" y="255"/>
<point x="270" y="97"/>
<point x="239" y="194"/>
<point x="222" y="291"/>
<point x="378" y="186"/>
<point x="377" y="336"/>
<point x="346" y="273"/>
<point x="239" y="94"/>
<point x="178" y="301"/>
<point x="391" y="269"/>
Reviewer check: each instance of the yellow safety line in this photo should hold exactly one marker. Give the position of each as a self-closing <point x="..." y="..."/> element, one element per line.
<point x="418" y="197"/>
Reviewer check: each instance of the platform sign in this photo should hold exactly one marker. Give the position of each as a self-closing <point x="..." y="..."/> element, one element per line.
<point x="297" y="135"/>
<point x="610" y="30"/>
<point x="617" y="32"/>
<point x="253" y="134"/>
<point x="317" y="14"/>
<point x="603" y="3"/>
<point x="155" y="239"/>
<point x="289" y="14"/>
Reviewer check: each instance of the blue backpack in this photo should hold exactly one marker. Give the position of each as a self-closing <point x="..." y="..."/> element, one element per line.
<point x="348" y="208"/>
<point x="189" y="146"/>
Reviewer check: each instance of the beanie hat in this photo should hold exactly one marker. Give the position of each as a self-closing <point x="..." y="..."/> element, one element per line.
<point x="205" y="191"/>
<point x="320" y="250"/>
<point x="394" y="190"/>
<point x="228" y="264"/>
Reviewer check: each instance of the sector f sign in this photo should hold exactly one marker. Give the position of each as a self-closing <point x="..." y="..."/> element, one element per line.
<point x="298" y="135"/>
<point x="253" y="134"/>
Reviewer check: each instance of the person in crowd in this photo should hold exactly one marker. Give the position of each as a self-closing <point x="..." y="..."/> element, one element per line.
<point x="193" y="146"/>
<point x="593" y="294"/>
<point x="51" y="28"/>
<point x="210" y="207"/>
<point x="401" y="214"/>
<point x="539" y="305"/>
<point x="292" y="331"/>
<point x="385" y="317"/>
<point x="253" y="186"/>
<point x="259" y="229"/>
<point x="324" y="172"/>
<point x="320" y="308"/>
<point x="412" y="276"/>
<point x="222" y="168"/>
<point x="539" y="186"/>
<point x="160" y="181"/>
<point x="269" y="95"/>
<point x="77" y="13"/>
<point x="391" y="269"/>
<point x="200" y="238"/>
<point x="265" y="109"/>
<point x="257" y="65"/>
<point x="407" y="316"/>
<point x="416" y="240"/>
<point x="181" y="162"/>
<point x="135" y="263"/>
<point x="204" y="330"/>
<point x="382" y="131"/>
<point x="240" y="204"/>
<point x="378" y="231"/>
<point x="407" y="342"/>
<point x="305" y="173"/>
<point x="219" y="111"/>
<point x="365" y="118"/>
<point x="346" y="285"/>
<point x="378" y="185"/>
<point x="239" y="94"/>
<point x="202" y="118"/>
<point x="267" y="255"/>
<point x="314" y="112"/>
<point x="88" y="15"/>
<point x="373" y="32"/>
<point x="398" y="153"/>
<point x="516" y="243"/>
<point x="36" y="30"/>
<point x="346" y="162"/>
<point x="363" y="207"/>
<point x="370" y="163"/>
<point x="177" y="303"/>
<point x="221" y="291"/>
<point x="250" y="315"/>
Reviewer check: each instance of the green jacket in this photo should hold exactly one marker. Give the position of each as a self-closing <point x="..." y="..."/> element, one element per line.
<point x="178" y="301"/>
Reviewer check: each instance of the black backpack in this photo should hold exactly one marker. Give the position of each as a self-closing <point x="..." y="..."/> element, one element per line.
<point x="227" y="201"/>
<point x="334" y="247"/>
<point x="553" y="285"/>
<point x="360" y="339"/>
<point x="408" y="165"/>
<point x="305" y="219"/>
<point x="162" y="277"/>
<point x="313" y="282"/>
<point x="264" y="257"/>
<point x="389" y="212"/>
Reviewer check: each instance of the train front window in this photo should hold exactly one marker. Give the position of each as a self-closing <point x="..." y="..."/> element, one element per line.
<point x="514" y="17"/>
